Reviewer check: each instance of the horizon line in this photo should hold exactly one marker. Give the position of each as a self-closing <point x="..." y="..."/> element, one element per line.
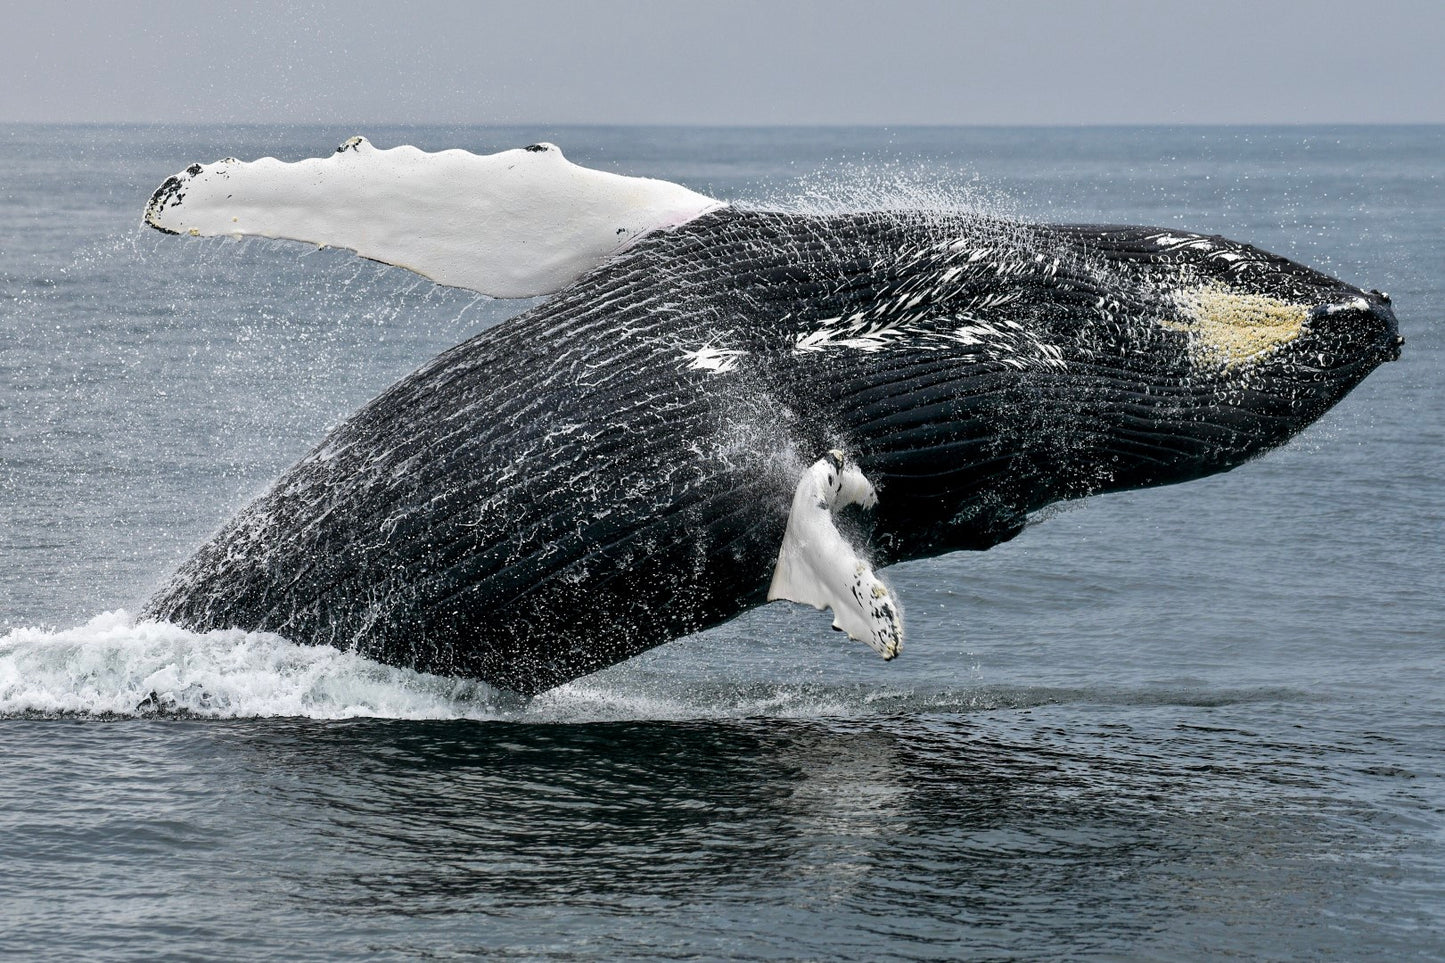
<point x="1081" y="125"/>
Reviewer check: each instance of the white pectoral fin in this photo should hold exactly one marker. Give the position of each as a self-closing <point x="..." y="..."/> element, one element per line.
<point x="818" y="567"/>
<point x="516" y="224"/>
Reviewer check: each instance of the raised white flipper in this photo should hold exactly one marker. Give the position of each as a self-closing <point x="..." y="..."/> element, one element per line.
<point x="516" y="224"/>
<point x="817" y="567"/>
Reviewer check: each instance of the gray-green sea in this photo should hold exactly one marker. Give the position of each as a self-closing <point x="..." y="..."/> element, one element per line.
<point x="1188" y="723"/>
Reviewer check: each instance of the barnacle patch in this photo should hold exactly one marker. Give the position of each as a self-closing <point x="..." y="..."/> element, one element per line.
<point x="1228" y="329"/>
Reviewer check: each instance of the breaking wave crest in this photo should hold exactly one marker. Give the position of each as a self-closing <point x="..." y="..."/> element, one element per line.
<point x="116" y="666"/>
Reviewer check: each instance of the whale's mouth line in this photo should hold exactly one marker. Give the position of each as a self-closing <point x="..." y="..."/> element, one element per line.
<point x="1304" y="357"/>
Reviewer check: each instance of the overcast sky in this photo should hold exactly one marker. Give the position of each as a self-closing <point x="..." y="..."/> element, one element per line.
<point x="775" y="62"/>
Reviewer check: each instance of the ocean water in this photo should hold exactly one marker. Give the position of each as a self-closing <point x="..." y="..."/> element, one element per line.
<point x="1195" y="722"/>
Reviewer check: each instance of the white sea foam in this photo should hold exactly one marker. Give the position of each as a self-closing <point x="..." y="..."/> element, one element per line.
<point x="117" y="666"/>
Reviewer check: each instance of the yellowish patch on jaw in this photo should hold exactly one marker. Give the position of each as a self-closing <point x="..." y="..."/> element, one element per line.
<point x="1231" y="329"/>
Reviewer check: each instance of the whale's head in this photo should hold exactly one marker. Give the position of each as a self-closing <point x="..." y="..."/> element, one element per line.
<point x="1231" y="351"/>
<point x="1094" y="359"/>
<point x="1197" y="354"/>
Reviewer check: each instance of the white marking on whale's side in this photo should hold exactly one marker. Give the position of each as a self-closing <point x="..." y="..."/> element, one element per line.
<point x="708" y="358"/>
<point x="519" y="223"/>
<point x="818" y="567"/>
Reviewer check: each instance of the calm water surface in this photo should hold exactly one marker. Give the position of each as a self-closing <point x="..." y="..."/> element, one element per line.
<point x="1189" y="723"/>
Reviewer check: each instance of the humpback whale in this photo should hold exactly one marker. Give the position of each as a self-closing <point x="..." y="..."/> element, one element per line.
<point x="717" y="406"/>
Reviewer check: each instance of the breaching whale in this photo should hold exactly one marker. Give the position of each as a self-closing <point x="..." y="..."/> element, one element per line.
<point x="719" y="406"/>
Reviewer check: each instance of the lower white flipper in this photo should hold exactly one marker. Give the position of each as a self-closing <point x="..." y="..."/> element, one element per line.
<point x="817" y="567"/>
<point x="515" y="224"/>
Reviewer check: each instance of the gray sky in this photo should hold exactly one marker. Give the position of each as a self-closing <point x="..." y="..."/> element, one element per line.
<point x="779" y="62"/>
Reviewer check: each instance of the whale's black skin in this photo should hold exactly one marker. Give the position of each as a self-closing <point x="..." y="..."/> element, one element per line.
<point x="580" y="484"/>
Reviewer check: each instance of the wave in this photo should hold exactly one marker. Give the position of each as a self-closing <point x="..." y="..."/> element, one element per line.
<point x="116" y="666"/>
